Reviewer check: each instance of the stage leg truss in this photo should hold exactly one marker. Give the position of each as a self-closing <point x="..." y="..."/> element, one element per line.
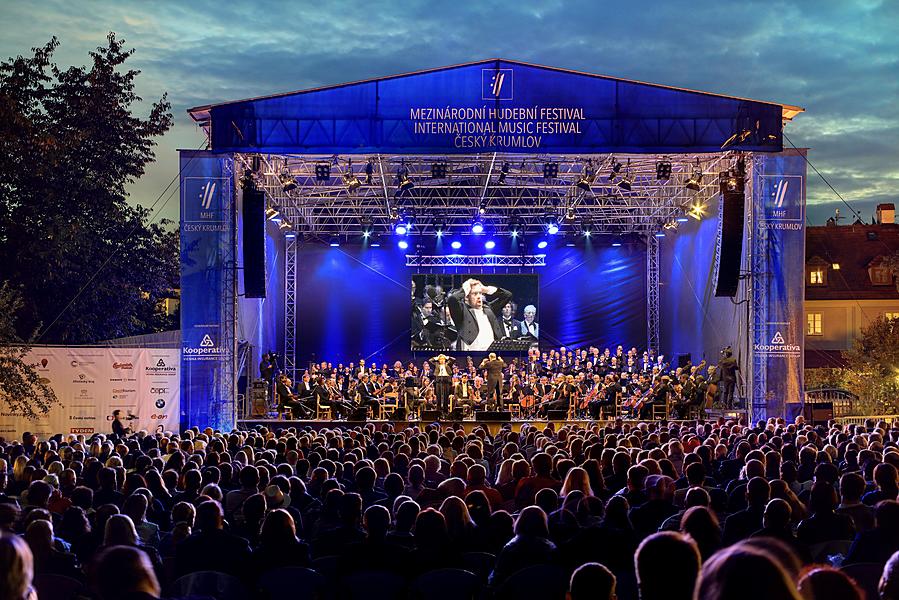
<point x="290" y="307"/>
<point x="652" y="293"/>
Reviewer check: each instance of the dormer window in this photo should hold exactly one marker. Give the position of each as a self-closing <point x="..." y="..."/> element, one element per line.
<point x="880" y="273"/>
<point x="816" y="276"/>
<point x="816" y="271"/>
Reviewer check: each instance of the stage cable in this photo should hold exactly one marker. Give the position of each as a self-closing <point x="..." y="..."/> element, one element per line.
<point x="115" y="250"/>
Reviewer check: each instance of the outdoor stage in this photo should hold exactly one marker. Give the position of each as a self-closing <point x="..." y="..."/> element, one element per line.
<point x="468" y="426"/>
<point x="658" y="218"/>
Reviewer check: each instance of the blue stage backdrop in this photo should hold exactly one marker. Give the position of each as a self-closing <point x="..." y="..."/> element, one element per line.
<point x="355" y="302"/>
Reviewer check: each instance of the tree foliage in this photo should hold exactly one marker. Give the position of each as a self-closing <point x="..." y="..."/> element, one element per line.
<point x="21" y="387"/>
<point x="873" y="364"/>
<point x="70" y="144"/>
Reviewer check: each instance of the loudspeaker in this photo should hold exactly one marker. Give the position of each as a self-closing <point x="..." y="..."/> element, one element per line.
<point x="683" y="360"/>
<point x="359" y="414"/>
<point x="556" y="415"/>
<point x="455" y="415"/>
<point x="253" y="243"/>
<point x="493" y="415"/>
<point x="429" y="416"/>
<point x="399" y="414"/>
<point x="732" y="187"/>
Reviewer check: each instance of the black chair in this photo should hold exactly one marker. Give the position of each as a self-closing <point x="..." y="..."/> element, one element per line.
<point x="56" y="587"/>
<point x="220" y="586"/>
<point x="867" y="576"/>
<point x="326" y="566"/>
<point x="446" y="584"/>
<point x="479" y="563"/>
<point x="546" y="582"/>
<point x="373" y="585"/>
<point x="293" y="582"/>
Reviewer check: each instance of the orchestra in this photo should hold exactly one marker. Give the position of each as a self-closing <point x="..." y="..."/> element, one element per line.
<point x="579" y="384"/>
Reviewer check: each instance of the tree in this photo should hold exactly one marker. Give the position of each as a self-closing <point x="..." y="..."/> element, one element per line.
<point x="21" y="387"/>
<point x="891" y="262"/>
<point x="89" y="265"/>
<point x="873" y="364"/>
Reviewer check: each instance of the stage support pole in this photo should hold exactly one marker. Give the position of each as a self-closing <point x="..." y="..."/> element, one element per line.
<point x="652" y="292"/>
<point x="290" y="307"/>
<point x="758" y="307"/>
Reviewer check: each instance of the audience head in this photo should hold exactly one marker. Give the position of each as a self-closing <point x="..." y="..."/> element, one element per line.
<point x="124" y="571"/>
<point x="16" y="568"/>
<point x="667" y="564"/>
<point x="591" y="581"/>
<point x="744" y="572"/>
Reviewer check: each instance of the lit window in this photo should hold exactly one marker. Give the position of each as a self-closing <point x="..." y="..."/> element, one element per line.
<point x="835" y="266"/>
<point x="881" y="276"/>
<point x="891" y="316"/>
<point x="813" y="324"/>
<point x="816" y="276"/>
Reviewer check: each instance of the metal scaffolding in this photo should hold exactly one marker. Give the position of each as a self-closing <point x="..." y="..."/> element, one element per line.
<point x="758" y="308"/>
<point x="323" y="196"/>
<point x="224" y="413"/>
<point x="459" y="260"/>
<point x="652" y="292"/>
<point x="290" y="306"/>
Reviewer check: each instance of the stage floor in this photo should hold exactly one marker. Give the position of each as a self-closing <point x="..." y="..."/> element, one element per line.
<point x="467" y="425"/>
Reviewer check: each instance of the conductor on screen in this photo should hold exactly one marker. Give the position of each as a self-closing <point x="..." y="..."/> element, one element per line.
<point x="475" y="318"/>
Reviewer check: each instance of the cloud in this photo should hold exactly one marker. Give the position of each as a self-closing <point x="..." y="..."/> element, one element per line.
<point x="837" y="59"/>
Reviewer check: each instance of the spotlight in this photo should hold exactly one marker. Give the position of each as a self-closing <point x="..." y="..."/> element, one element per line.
<point x="322" y="172"/>
<point x="663" y="170"/>
<point x="616" y="168"/>
<point x="477" y="226"/>
<point x="439" y="170"/>
<point x="587" y="178"/>
<point x="403" y="244"/>
<point x="625" y="184"/>
<point x="351" y="181"/>
<point x="672" y="225"/>
<point x="697" y="211"/>
<point x="569" y="214"/>
<point x="660" y="234"/>
<point x="334" y="242"/>
<point x="695" y="178"/>
<point x="570" y="240"/>
<point x="542" y="244"/>
<point x="285" y="226"/>
<point x="682" y="220"/>
<point x="374" y="241"/>
<point x="503" y="172"/>
<point x="455" y="244"/>
<point x="731" y="180"/>
<point x="550" y="170"/>
<point x="490" y="244"/>
<point x="272" y="213"/>
<point x="401" y="228"/>
<point x="552" y="228"/>
<point x="616" y="243"/>
<point x="587" y="233"/>
<point x="290" y="235"/>
<point x="288" y="183"/>
<point x="514" y="233"/>
<point x="482" y="207"/>
<point x="369" y="171"/>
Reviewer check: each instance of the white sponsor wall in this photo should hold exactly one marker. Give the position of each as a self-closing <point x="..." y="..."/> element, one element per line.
<point x="90" y="383"/>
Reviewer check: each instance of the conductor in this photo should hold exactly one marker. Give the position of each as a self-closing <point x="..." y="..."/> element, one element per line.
<point x="494" y="367"/>
<point x="475" y="318"/>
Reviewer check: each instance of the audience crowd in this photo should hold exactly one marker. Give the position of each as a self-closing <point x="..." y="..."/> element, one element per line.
<point x="706" y="510"/>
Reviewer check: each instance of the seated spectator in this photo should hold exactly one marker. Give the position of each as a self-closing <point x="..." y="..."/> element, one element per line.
<point x="667" y="565"/>
<point x="877" y="545"/>
<point x="889" y="582"/>
<point x="278" y="544"/>
<point x="591" y="581"/>
<point x="824" y="524"/>
<point x="124" y="572"/>
<point x="852" y="487"/>
<point x="47" y="559"/>
<point x="541" y="465"/>
<point x="210" y="548"/>
<point x="886" y="478"/>
<point x="432" y="544"/>
<point x="744" y="523"/>
<point x="576" y="479"/>
<point x="17" y="567"/>
<point x="700" y="525"/>
<point x="530" y="546"/>
<point x="827" y="583"/>
<point x="743" y="572"/>
<point x="649" y="516"/>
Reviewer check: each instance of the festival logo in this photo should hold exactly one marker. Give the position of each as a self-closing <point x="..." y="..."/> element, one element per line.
<point x="784" y="208"/>
<point x="496" y="84"/>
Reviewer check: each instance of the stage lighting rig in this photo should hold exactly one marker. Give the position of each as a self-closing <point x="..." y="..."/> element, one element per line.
<point x="351" y="182"/>
<point x="489" y="244"/>
<point x="402" y="244"/>
<point x="439" y="170"/>
<point x="616" y="169"/>
<point x="695" y="180"/>
<point x="403" y="224"/>
<point x="550" y="170"/>
<point x="288" y="183"/>
<point x="322" y="172"/>
<point x="504" y="172"/>
<point x="552" y="225"/>
<point x="366" y="227"/>
<point x="477" y="227"/>
<point x="587" y="178"/>
<point x="455" y="244"/>
<point x="334" y="242"/>
<point x="542" y="244"/>
<point x="697" y="211"/>
<point x="569" y="213"/>
<point x="403" y="182"/>
<point x="285" y="226"/>
<point x="625" y="182"/>
<point x="273" y="212"/>
<point x="374" y="241"/>
<point x="369" y="172"/>
<point x="663" y="170"/>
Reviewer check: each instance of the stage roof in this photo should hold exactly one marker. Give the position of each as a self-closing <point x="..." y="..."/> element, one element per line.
<point x="494" y="105"/>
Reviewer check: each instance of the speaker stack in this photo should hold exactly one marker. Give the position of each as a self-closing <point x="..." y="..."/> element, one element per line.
<point x="732" y="186"/>
<point x="253" y="242"/>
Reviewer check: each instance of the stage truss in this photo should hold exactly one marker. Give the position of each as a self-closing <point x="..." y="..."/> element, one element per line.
<point x="319" y="197"/>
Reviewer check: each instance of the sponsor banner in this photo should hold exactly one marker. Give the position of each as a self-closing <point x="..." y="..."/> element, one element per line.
<point x="778" y="339"/>
<point x="207" y="241"/>
<point x="92" y="382"/>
